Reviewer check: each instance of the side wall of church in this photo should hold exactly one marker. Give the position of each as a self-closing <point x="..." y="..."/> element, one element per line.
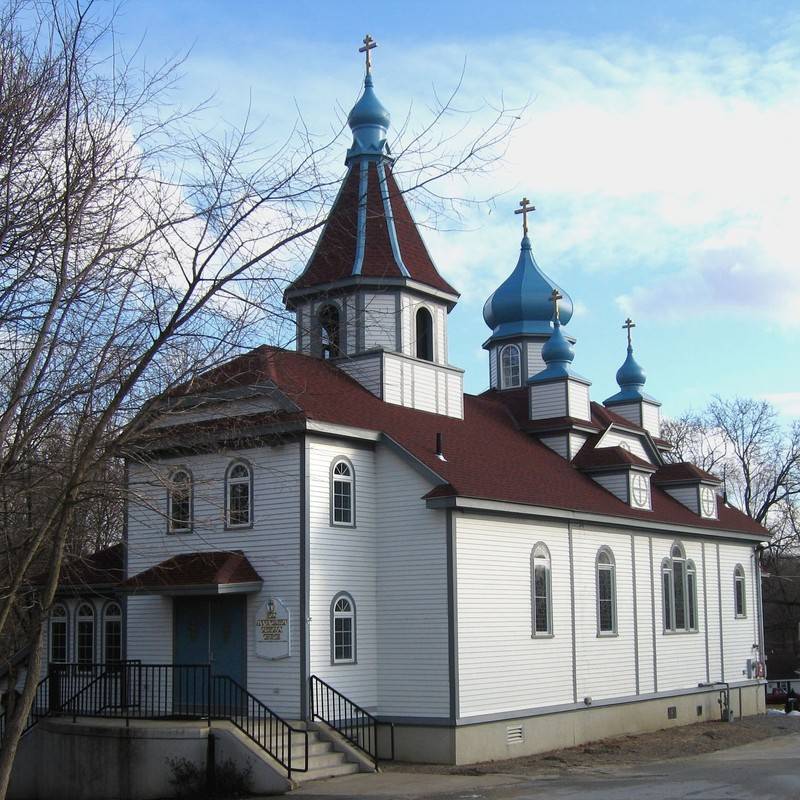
<point x="272" y="546"/>
<point x="503" y="668"/>
<point x="393" y="564"/>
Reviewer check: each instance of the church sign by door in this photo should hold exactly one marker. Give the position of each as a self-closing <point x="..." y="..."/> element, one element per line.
<point x="273" y="629"/>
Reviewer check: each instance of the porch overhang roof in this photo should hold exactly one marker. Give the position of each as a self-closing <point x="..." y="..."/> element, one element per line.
<point x="216" y="572"/>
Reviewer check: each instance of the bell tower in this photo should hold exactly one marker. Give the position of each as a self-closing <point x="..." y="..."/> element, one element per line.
<point x="370" y="298"/>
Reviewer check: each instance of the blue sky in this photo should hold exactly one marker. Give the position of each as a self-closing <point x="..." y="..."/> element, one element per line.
<point x="659" y="144"/>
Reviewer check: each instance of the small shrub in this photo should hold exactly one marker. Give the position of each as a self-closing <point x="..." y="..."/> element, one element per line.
<point x="189" y="780"/>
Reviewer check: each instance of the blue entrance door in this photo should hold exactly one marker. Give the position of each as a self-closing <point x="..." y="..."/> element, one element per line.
<point x="208" y="631"/>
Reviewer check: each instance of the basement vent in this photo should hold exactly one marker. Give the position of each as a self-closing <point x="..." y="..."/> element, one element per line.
<point x="514" y="734"/>
<point x="699" y="711"/>
<point x="672" y="712"/>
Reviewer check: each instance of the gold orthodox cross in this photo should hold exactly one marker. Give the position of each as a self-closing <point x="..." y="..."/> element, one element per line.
<point x="629" y="323"/>
<point x="369" y="44"/>
<point x="525" y="208"/>
<point x="555" y="296"/>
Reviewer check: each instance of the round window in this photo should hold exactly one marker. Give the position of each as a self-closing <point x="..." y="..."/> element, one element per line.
<point x="640" y="491"/>
<point x="707" y="501"/>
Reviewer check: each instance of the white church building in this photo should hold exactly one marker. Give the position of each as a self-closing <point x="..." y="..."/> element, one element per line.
<point x="487" y="575"/>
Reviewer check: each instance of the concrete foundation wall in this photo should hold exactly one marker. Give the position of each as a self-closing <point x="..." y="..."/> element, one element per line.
<point x="94" y="760"/>
<point x="526" y="735"/>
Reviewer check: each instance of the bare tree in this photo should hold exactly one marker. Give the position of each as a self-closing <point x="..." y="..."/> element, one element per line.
<point x="742" y="440"/>
<point x="134" y="253"/>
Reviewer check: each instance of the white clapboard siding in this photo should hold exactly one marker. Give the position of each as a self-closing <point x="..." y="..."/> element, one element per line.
<point x="501" y="667"/>
<point x="441" y="392"/>
<point x="548" y="400"/>
<point x="493" y="380"/>
<point x="535" y="361"/>
<point x="738" y="633"/>
<point x="614" y="438"/>
<point x="578" y="400"/>
<point x="556" y="443"/>
<point x="712" y="612"/>
<point x="576" y="442"/>
<point x="455" y="395"/>
<point x="681" y="656"/>
<point x="380" y="321"/>
<point x="351" y="324"/>
<point x="440" y="327"/>
<point x="686" y="495"/>
<point x="413" y="678"/>
<point x="651" y="419"/>
<point x="606" y="665"/>
<point x="342" y="559"/>
<point x="272" y="546"/>
<point x="407" y="332"/>
<point x="631" y="412"/>
<point x="644" y="613"/>
<point x="614" y="482"/>
<point x="424" y="387"/>
<point x="393" y="381"/>
<point x="366" y="370"/>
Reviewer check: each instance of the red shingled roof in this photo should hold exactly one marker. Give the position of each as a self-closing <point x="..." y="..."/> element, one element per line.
<point x="683" y="472"/>
<point x="335" y="254"/>
<point x="598" y="457"/>
<point x="99" y="569"/>
<point x="487" y="455"/>
<point x="196" y="569"/>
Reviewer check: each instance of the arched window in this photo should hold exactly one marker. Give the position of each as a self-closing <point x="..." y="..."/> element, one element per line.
<point x="606" y="592"/>
<point x="739" y="591"/>
<point x="59" y="624"/>
<point x="679" y="591"/>
<point x="424" y="334"/>
<point x="510" y="375"/>
<point x="541" y="592"/>
<point x="179" y="501"/>
<point x="84" y="635"/>
<point x="343" y="629"/>
<point x="238" y="495"/>
<point x="112" y="634"/>
<point x="330" y="331"/>
<point x="342" y="493"/>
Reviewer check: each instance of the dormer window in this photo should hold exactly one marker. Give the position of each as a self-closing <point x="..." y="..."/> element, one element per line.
<point x="330" y="331"/>
<point x="424" y="334"/>
<point x="510" y="373"/>
<point x="640" y="490"/>
<point x="708" y="502"/>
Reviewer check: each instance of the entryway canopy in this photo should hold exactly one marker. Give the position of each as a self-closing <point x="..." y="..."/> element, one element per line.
<point x="216" y="572"/>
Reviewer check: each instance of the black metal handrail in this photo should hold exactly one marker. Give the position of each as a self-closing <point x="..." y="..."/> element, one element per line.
<point x="232" y="702"/>
<point x="347" y="718"/>
<point x="132" y="690"/>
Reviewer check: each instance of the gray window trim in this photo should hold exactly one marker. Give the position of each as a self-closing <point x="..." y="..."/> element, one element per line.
<point x="78" y="620"/>
<point x="354" y="616"/>
<point x="541" y="546"/>
<point x="174" y="471"/>
<point x="249" y="467"/>
<point x="334" y="462"/>
<point x="612" y="568"/>
<point x="66" y="620"/>
<point x="103" y="617"/>
<point x="739" y="577"/>
<point x="668" y="568"/>
<point x="502" y="378"/>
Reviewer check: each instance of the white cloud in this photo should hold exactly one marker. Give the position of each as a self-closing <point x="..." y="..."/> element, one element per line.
<point x="788" y="403"/>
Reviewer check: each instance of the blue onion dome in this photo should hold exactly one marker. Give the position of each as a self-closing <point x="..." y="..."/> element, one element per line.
<point x="557" y="350"/>
<point x="522" y="303"/>
<point x="630" y="376"/>
<point x="369" y="120"/>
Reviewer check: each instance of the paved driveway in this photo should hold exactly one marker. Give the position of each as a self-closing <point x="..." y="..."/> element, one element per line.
<point x="766" y="770"/>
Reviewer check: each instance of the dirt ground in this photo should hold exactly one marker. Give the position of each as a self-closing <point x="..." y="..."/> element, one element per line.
<point x="678" y="742"/>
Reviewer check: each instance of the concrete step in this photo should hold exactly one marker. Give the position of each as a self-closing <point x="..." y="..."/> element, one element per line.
<point x="325" y="772"/>
<point x="331" y="759"/>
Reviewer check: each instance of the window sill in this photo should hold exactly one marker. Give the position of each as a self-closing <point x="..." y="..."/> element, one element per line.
<point x="243" y="527"/>
<point x="607" y="635"/>
<point x="679" y="633"/>
<point x="343" y="663"/>
<point x="343" y="524"/>
<point x="542" y="635"/>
